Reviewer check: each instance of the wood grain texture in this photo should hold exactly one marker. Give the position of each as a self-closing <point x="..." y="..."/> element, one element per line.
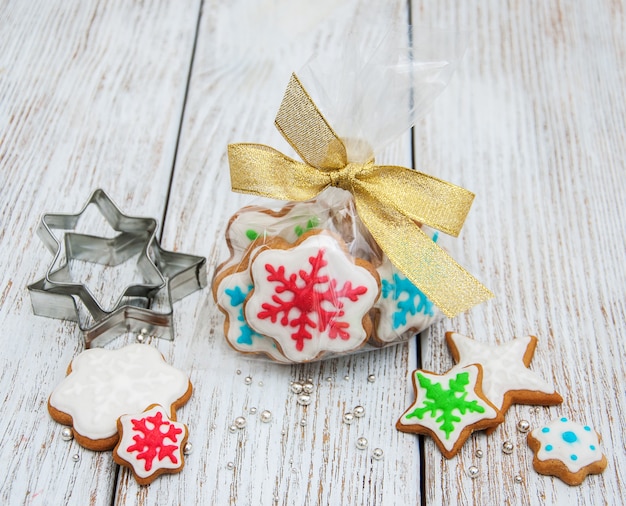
<point x="240" y="71"/>
<point x="90" y="96"/>
<point x="535" y="126"/>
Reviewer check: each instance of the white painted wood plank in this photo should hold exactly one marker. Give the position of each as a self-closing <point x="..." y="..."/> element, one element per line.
<point x="535" y="126"/>
<point x="239" y="76"/>
<point x="90" y="96"/>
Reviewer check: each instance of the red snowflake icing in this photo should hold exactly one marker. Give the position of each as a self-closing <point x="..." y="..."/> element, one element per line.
<point x="150" y="443"/>
<point x="326" y="304"/>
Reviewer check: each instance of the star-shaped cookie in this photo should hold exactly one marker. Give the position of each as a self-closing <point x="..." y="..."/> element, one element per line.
<point x="506" y="377"/>
<point x="449" y="407"/>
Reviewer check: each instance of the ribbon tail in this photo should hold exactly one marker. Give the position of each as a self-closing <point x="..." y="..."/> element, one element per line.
<point x="418" y="196"/>
<point x="261" y="170"/>
<point x="448" y="285"/>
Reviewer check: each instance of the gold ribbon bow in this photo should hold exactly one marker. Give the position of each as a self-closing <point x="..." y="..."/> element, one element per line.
<point x="389" y="200"/>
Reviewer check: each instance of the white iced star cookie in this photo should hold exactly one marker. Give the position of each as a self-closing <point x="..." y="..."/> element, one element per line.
<point x="449" y="407"/>
<point x="150" y="444"/>
<point x="102" y="385"/>
<point x="506" y="379"/>
<point x="567" y="450"/>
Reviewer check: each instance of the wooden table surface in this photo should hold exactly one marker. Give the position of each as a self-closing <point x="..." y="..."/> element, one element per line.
<point x="141" y="99"/>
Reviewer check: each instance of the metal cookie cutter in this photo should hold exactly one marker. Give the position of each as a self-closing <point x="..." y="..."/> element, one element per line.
<point x="167" y="276"/>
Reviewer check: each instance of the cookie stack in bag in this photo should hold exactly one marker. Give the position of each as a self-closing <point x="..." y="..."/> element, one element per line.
<point x="308" y="281"/>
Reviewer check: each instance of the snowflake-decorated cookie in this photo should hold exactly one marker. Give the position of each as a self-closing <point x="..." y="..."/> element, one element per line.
<point x="567" y="450"/>
<point x="402" y="309"/>
<point x="311" y="297"/>
<point x="103" y="385"/>
<point x="449" y="407"/>
<point x="150" y="444"/>
<point x="253" y="222"/>
<point x="506" y="377"/>
<point x="230" y="289"/>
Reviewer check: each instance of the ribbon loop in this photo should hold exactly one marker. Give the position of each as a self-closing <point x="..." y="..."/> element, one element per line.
<point x="390" y="200"/>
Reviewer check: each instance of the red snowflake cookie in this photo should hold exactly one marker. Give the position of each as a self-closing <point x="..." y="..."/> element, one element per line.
<point x="311" y="297"/>
<point x="150" y="444"/>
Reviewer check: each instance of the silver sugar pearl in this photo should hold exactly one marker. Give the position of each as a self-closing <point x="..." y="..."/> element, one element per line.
<point x="76" y="457"/>
<point x="296" y="387"/>
<point x="346" y="377"/>
<point x="142" y="336"/>
<point x="230" y="466"/>
<point x="303" y="422"/>
<point x="248" y="380"/>
<point x="473" y="472"/>
<point x="66" y="434"/>
<point x="523" y="426"/>
<point x="232" y="428"/>
<point x="348" y="418"/>
<point x="283" y="432"/>
<point x="377" y="454"/>
<point x="238" y="371"/>
<point x="260" y="383"/>
<point x="308" y="387"/>
<point x="479" y="454"/>
<point x="359" y="411"/>
<point x="361" y="443"/>
<point x="518" y="478"/>
<point x="304" y="399"/>
<point x="371" y="378"/>
<point x="252" y="411"/>
<point x="188" y="448"/>
<point x="240" y="422"/>
<point x="329" y="379"/>
<point x="266" y="416"/>
<point x="507" y="447"/>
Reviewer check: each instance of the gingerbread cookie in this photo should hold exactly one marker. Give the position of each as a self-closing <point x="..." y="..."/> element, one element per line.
<point x="449" y="407"/>
<point x="311" y="297"/>
<point x="567" y="450"/>
<point x="254" y="222"/>
<point x="506" y="377"/>
<point x="150" y="444"/>
<point x="230" y="289"/>
<point x="402" y="309"/>
<point x="102" y="385"/>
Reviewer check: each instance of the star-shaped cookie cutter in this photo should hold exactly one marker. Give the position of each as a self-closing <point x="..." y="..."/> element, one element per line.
<point x="168" y="276"/>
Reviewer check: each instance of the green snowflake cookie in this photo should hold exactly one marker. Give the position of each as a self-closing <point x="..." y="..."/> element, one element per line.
<point x="449" y="407"/>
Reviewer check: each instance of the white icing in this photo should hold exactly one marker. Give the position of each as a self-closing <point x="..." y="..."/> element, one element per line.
<point x="260" y="343"/>
<point x="127" y="441"/>
<point x="106" y="384"/>
<point x="585" y="449"/>
<point x="266" y="225"/>
<point x="340" y="268"/>
<point x="503" y="367"/>
<point x="430" y="420"/>
<point x="386" y="330"/>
